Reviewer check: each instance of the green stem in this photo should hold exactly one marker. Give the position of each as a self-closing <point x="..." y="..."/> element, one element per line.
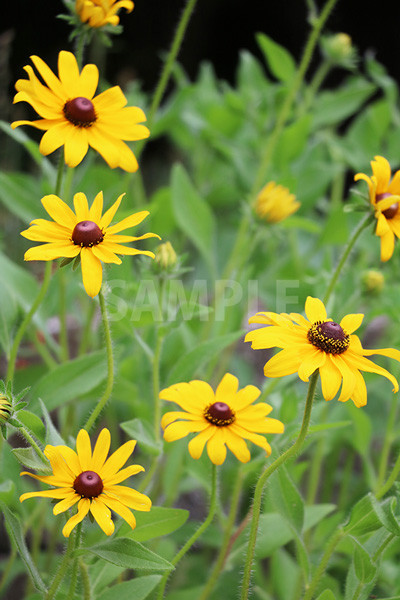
<point x="110" y="365"/>
<point x="315" y="470"/>
<point x="156" y="385"/>
<point x="7" y="570"/>
<point x="80" y="48"/>
<point x="329" y="550"/>
<point x="358" y="591"/>
<point x="30" y="439"/>
<point x="224" y="550"/>
<point x="387" y="442"/>
<point x="43" y="351"/>
<point x="85" y="580"/>
<point x="390" y="481"/>
<point x="26" y="321"/>
<point x="197" y="533"/>
<point x="382" y="547"/>
<point x="315" y="84"/>
<point x="74" y="574"/>
<point x="285" y="111"/>
<point x="289" y="453"/>
<point x="358" y="231"/>
<point x="84" y="343"/>
<point x="63" y="316"/>
<point x="62" y="569"/>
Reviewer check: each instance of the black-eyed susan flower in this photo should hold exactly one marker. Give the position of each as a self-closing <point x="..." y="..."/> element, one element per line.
<point x="98" y="13"/>
<point x="224" y="418"/>
<point x="384" y="194"/>
<point x="73" y="117"/>
<point x="91" y="481"/>
<point x="86" y="232"/>
<point x="275" y="203"/>
<point x="317" y="342"/>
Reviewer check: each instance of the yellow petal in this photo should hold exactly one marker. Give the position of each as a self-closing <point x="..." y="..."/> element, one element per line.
<point x="351" y="322"/>
<point x="52" y="251"/>
<point x="130" y="221"/>
<point x="382" y="171"/>
<point x="105" y="255"/>
<point x="50" y="79"/>
<point x="76" y="145"/>
<point x="54" y="137"/>
<point x="109" y="214"/>
<point x="117" y="460"/>
<point x="387" y="246"/>
<point x="92" y="272"/>
<point x="120" y="509"/>
<point x="68" y="73"/>
<point x="331" y="379"/>
<point x="227" y="388"/>
<point x="244" y="397"/>
<point x="96" y="209"/>
<point x="66" y="503"/>
<point x="102" y="514"/>
<point x="88" y="81"/>
<point x="81" y="207"/>
<point x="237" y="446"/>
<point x="259" y="440"/>
<point x="59" y="211"/>
<point x="359" y="395"/>
<point x="349" y="378"/>
<point x="181" y="429"/>
<point x="131" y="498"/>
<point x="84" y="450"/>
<point x="196" y="445"/>
<point x="124" y="474"/>
<point x="315" y="310"/>
<point x="83" y="509"/>
<point x="285" y="362"/>
<point x="59" y="493"/>
<point x="311" y="361"/>
<point x="216" y="448"/>
<point x="101" y="450"/>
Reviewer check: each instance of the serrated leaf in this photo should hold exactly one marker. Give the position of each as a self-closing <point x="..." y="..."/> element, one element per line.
<point x="279" y="60"/>
<point x="135" y="589"/>
<point x="143" y="432"/>
<point x="15" y="532"/>
<point x="191" y="362"/>
<point x="127" y="553"/>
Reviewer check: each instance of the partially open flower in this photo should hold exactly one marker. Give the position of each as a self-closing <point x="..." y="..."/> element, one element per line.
<point x="101" y="12"/>
<point x="275" y="203"/>
<point x="5" y="409"/>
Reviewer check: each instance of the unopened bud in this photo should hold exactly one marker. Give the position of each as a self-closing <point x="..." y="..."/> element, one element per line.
<point x="165" y="256"/>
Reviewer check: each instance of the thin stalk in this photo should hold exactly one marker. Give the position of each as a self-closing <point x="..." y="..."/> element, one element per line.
<point x="197" y="533"/>
<point x="7" y="570"/>
<point x="62" y="569"/>
<point x="224" y="550"/>
<point x="289" y="453"/>
<point x="63" y="316"/>
<point x="110" y="365"/>
<point x="31" y="440"/>
<point x="285" y="111"/>
<point x="387" y="442"/>
<point x="329" y="550"/>
<point x="358" y="231"/>
<point x="390" y="481"/>
<point x="87" y="592"/>
<point x="358" y="591"/>
<point x="156" y="385"/>
<point x="149" y="475"/>
<point x="74" y="574"/>
<point x="80" y="46"/>
<point x="315" y="84"/>
<point x="87" y="330"/>
<point x="315" y="470"/>
<point x="26" y="321"/>
<point x="382" y="547"/>
<point x="43" y="351"/>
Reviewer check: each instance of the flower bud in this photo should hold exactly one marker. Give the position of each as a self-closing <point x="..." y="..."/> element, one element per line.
<point x="275" y="203"/>
<point x="5" y="409"/>
<point x="373" y="282"/>
<point x="339" y="50"/>
<point x="165" y="256"/>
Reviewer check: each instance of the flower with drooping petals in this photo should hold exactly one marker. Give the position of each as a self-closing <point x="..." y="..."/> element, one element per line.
<point x="384" y="194"/>
<point x="91" y="481"/>
<point x="275" y="203"/>
<point x="317" y="342"/>
<point x="97" y="13"/>
<point x="86" y="232"/>
<point x="73" y="117"/>
<point x="226" y="417"/>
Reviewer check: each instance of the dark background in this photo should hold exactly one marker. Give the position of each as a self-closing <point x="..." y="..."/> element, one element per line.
<point x="217" y="32"/>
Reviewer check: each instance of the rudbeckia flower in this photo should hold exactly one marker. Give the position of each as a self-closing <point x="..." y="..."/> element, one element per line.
<point x="275" y="203"/>
<point x="101" y="12"/>
<point x="91" y="481"/>
<point x="73" y="117"/>
<point x="85" y="232"/>
<point x="384" y="194"/>
<point x="224" y="418"/>
<point x="317" y="342"/>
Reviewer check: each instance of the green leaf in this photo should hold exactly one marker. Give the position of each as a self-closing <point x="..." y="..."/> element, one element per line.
<point x="52" y="435"/>
<point x="156" y="523"/>
<point x="331" y="108"/>
<point x="28" y="458"/>
<point x="8" y="317"/>
<point x="367" y="515"/>
<point x="19" y="283"/>
<point x="327" y="595"/>
<point x="127" y="553"/>
<point x="287" y="499"/>
<point x="33" y="423"/>
<point x="279" y="60"/>
<point x="69" y="381"/>
<point x="362" y="432"/>
<point x="292" y="141"/>
<point x="386" y="513"/>
<point x="7" y="489"/>
<point x="15" y="532"/>
<point x="143" y="432"/>
<point x="135" y="589"/>
<point x="193" y="215"/>
<point x="191" y="362"/>
<point x="364" y="569"/>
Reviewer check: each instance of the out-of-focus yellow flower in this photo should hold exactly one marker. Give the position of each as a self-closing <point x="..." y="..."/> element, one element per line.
<point x="373" y="281"/>
<point x="384" y="194"/>
<point x="97" y="13"/>
<point x="73" y="117"/>
<point x="275" y="203"/>
<point x="5" y="409"/>
<point x="165" y="255"/>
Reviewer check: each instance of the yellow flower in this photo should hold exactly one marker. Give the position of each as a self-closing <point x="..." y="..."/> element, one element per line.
<point x="373" y="281"/>
<point x="165" y="255"/>
<point x="101" y="12"/>
<point x="85" y="232"/>
<point x="91" y="481"/>
<point x="5" y="409"/>
<point x="384" y="195"/>
<point x="275" y="203"/>
<point x="319" y="343"/>
<point x="224" y="418"/>
<point x="75" y="119"/>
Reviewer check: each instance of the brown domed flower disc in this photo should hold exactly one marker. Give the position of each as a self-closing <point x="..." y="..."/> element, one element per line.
<point x="329" y="337"/>
<point x="80" y="111"/>
<point x="87" y="234"/>
<point x="391" y="211"/>
<point x="88" y="484"/>
<point x="219" y="414"/>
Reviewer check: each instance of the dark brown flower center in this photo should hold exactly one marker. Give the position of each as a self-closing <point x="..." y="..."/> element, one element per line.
<point x="329" y="337"/>
<point x="87" y="234"/>
<point x="88" y="484"/>
<point x="219" y="414"/>
<point x="393" y="208"/>
<point x="80" y="111"/>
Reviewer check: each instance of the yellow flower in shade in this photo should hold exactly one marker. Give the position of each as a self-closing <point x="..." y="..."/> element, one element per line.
<point x="101" y="12"/>
<point x="85" y="232"/>
<point x="73" y="117"/>
<point x="384" y="194"/>
<point x="224" y="418"/>
<point x="319" y="343"/>
<point x="91" y="481"/>
<point x="275" y="203"/>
